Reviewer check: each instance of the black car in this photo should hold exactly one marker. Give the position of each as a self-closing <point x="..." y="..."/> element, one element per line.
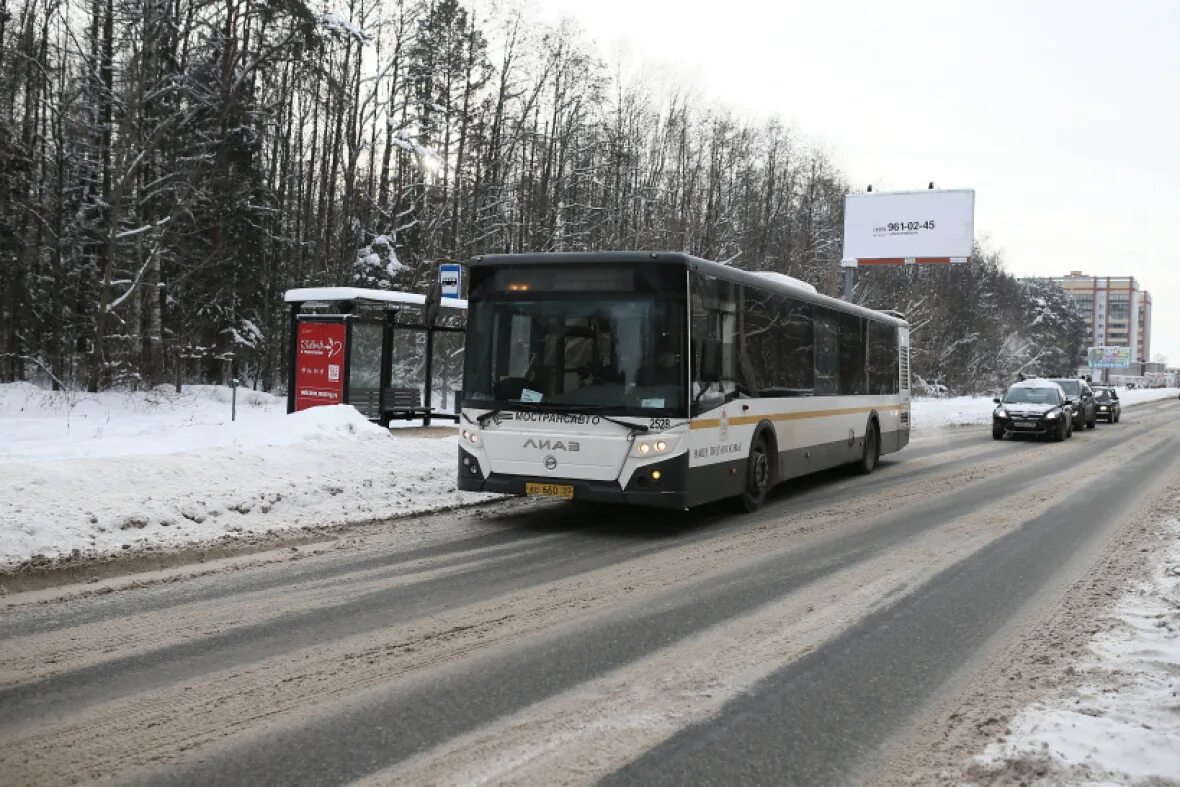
<point x="1107" y="401"/>
<point x="1033" y="407"/>
<point x="1081" y="401"/>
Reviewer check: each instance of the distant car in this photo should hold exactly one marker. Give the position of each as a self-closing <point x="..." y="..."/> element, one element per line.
<point x="1033" y="407"/>
<point x="1106" y="399"/>
<point x="1081" y="401"/>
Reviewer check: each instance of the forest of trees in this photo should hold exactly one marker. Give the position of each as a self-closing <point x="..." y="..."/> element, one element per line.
<point x="169" y="167"/>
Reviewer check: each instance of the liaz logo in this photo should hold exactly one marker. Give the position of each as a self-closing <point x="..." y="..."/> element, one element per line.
<point x="553" y="445"/>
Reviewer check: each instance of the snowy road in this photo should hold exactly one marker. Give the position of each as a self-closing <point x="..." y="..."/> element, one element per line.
<point x="847" y="632"/>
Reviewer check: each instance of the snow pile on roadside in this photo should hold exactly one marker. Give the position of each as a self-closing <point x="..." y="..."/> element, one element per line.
<point x="1140" y="395"/>
<point x="1123" y="725"/>
<point x="102" y="473"/>
<point x="958" y="411"/>
<point x="930" y="414"/>
<point x="40" y="424"/>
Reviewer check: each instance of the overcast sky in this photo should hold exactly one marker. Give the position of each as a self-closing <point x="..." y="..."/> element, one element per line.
<point x="1063" y="116"/>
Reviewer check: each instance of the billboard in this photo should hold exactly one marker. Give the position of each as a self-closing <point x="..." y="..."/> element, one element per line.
<point x="1108" y="357"/>
<point x="319" y="364"/>
<point x="908" y="227"/>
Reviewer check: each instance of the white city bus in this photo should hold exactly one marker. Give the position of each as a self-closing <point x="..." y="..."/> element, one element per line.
<point x="668" y="380"/>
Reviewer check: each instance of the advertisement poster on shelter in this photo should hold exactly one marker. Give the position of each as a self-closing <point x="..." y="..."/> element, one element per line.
<point x="319" y="364"/>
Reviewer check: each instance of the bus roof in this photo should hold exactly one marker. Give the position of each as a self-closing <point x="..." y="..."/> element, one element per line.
<point x="717" y="269"/>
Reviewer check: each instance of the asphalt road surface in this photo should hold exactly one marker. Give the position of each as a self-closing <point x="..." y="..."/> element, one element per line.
<point x="816" y="641"/>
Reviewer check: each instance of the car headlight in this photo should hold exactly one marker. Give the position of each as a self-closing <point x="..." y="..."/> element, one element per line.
<point x="1053" y="414"/>
<point x="1001" y="412"/>
<point x="1104" y="408"/>
<point x="471" y="437"/>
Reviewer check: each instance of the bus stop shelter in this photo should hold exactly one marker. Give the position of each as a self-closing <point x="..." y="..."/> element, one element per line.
<point x="382" y="351"/>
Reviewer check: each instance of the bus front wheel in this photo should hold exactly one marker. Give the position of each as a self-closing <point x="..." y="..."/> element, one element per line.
<point x="757" y="476"/>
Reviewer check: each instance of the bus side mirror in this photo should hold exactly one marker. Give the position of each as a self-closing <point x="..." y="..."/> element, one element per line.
<point x="710" y="361"/>
<point x="710" y="400"/>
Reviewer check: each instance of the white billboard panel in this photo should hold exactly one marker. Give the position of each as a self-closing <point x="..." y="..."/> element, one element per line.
<point x="908" y="227"/>
<point x="1108" y="357"/>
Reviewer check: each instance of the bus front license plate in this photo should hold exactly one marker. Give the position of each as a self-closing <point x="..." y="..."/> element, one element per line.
<point x="549" y="490"/>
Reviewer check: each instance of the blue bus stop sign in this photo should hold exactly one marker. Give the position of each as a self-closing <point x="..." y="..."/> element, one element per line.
<point x="450" y="278"/>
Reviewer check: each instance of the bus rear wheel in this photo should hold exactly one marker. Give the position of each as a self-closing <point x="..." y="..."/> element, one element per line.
<point x="757" y="476"/>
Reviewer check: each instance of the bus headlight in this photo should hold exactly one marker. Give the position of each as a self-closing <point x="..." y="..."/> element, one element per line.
<point x="654" y="446"/>
<point x="471" y="437"/>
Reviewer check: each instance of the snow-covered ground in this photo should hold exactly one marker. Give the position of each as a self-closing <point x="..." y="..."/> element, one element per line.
<point x="936" y="414"/>
<point x="39" y="424"/>
<point x="102" y="473"/>
<point x="1122" y="725"/>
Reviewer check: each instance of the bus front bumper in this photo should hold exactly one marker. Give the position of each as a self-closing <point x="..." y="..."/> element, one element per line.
<point x="666" y="492"/>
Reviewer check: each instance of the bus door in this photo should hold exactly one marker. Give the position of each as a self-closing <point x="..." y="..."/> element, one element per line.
<point x="903" y="371"/>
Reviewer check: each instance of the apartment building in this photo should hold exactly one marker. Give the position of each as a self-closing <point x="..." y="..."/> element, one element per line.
<point x="1144" y="345"/>
<point x="1117" y="310"/>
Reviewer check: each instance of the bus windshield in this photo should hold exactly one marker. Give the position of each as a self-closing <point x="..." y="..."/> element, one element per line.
<point x="624" y="356"/>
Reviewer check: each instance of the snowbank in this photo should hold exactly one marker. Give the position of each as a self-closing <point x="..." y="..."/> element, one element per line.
<point x="102" y="473"/>
<point x="935" y="414"/>
<point x="1124" y="725"/>
<point x="1140" y="395"/>
<point x="37" y="424"/>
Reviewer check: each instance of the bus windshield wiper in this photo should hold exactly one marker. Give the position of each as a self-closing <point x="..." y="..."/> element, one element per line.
<point x="482" y="420"/>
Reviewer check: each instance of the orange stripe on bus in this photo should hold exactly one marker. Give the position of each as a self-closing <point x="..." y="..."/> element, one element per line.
<point x="713" y="423"/>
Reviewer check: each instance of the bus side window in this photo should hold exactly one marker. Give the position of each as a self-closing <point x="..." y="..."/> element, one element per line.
<point x="853" y="347"/>
<point x="883" y="370"/>
<point x="714" y="318"/>
<point x="827" y="357"/>
<point x="797" y="348"/>
<point x="755" y="343"/>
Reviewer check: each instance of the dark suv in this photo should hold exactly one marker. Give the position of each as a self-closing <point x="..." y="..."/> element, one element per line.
<point x="1107" y="399"/>
<point x="1081" y="401"/>
<point x="1033" y="407"/>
